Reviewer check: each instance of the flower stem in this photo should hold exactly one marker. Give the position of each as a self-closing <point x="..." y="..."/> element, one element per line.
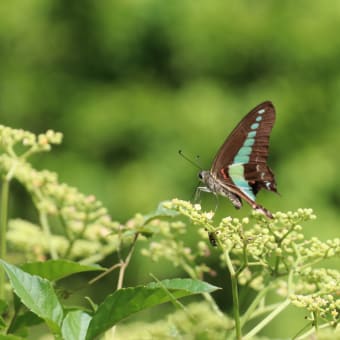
<point x="3" y="229"/>
<point x="110" y="334"/>
<point x="234" y="290"/>
<point x="47" y="232"/>
<point x="236" y="306"/>
<point x="316" y="325"/>
<point x="251" y="309"/>
<point x="267" y="320"/>
<point x="311" y="332"/>
<point x="125" y="263"/>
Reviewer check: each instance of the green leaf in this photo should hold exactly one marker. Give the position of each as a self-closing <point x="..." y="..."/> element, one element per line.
<point x="3" y="306"/>
<point x="161" y="211"/>
<point x="75" y="325"/>
<point x="3" y="309"/>
<point x="24" y="321"/>
<point x="37" y="295"/>
<point x="190" y="285"/>
<point x="57" y="269"/>
<point x="2" y="323"/>
<point x="127" y="301"/>
<point x="10" y="337"/>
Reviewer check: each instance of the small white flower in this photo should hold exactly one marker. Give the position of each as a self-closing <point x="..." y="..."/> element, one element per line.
<point x="197" y="207"/>
<point x="210" y="215"/>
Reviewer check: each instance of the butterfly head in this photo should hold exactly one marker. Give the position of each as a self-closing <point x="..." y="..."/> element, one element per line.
<point x="211" y="184"/>
<point x="204" y="175"/>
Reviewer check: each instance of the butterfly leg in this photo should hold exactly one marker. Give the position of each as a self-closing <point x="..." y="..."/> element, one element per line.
<point x="217" y="201"/>
<point x="198" y="192"/>
<point x="197" y="195"/>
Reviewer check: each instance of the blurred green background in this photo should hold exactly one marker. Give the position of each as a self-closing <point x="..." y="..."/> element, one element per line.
<point x="129" y="82"/>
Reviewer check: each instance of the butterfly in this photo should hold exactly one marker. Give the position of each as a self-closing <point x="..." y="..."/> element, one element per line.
<point x="239" y="170"/>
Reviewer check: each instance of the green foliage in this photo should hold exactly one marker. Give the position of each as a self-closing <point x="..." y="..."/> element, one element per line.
<point x="85" y="222"/>
<point x="139" y="298"/>
<point x="266" y="256"/>
<point x="130" y="83"/>
<point x="195" y="322"/>
<point x="54" y="270"/>
<point x="38" y="296"/>
<point x="75" y="325"/>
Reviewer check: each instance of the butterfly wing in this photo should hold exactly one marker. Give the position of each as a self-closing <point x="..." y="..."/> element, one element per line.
<point x="241" y="162"/>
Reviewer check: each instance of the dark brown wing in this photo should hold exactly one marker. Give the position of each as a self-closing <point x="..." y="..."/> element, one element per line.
<point x="242" y="159"/>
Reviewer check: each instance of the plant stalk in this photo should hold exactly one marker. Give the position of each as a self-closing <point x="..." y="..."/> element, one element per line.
<point x="125" y="263"/>
<point x="311" y="332"/>
<point x="251" y="309"/>
<point x="236" y="306"/>
<point x="236" y="303"/>
<point x="110" y="334"/>
<point x="47" y="232"/>
<point x="267" y="320"/>
<point x="3" y="230"/>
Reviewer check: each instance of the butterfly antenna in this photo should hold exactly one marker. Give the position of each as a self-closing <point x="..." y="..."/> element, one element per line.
<point x="190" y="160"/>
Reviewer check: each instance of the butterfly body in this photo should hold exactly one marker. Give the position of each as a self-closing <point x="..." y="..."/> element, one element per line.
<point x="214" y="185"/>
<point x="240" y="168"/>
